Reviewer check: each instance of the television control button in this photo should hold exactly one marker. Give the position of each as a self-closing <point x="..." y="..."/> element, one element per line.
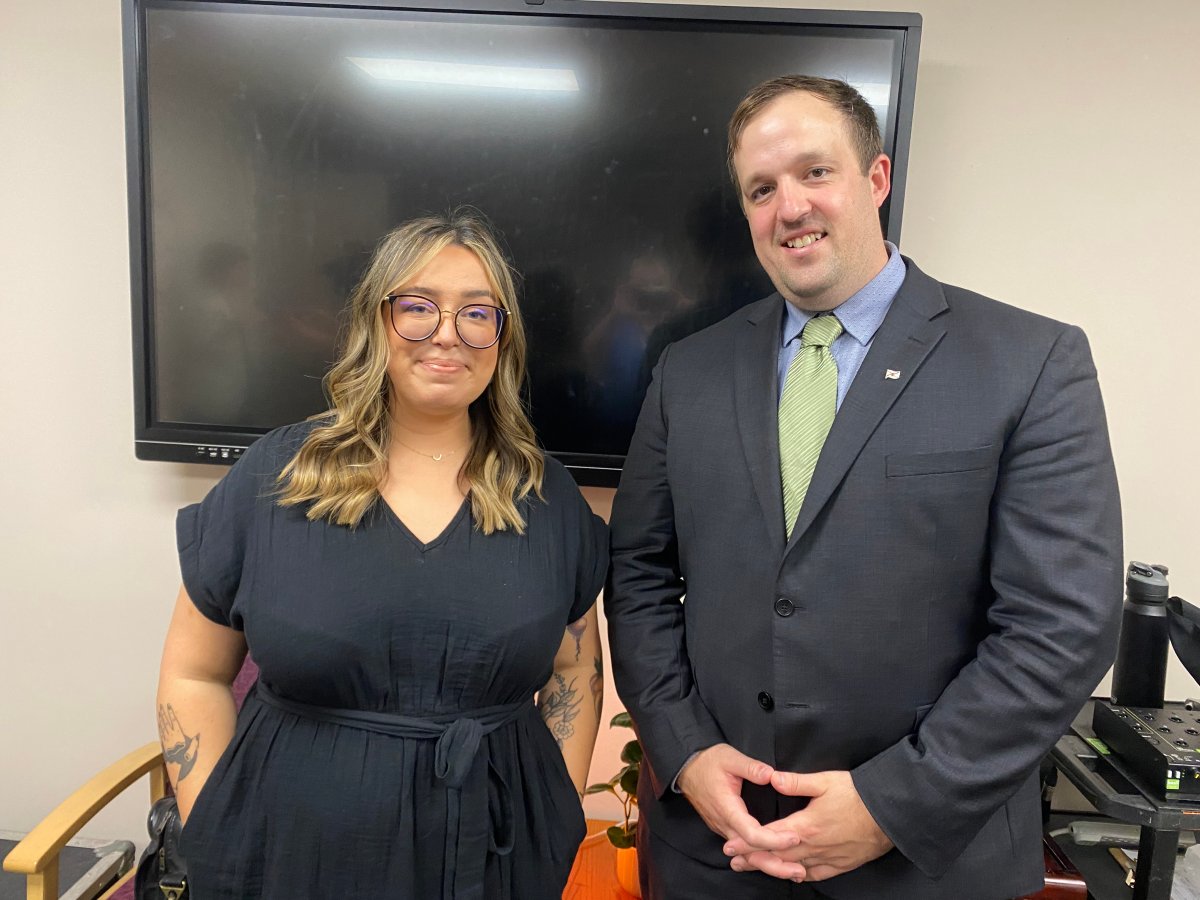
<point x="1165" y="729"/>
<point x="784" y="607"/>
<point x="766" y="701"/>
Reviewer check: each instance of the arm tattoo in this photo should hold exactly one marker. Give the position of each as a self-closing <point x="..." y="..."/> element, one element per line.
<point x="596" y="683"/>
<point x="576" y="630"/>
<point x="559" y="706"/>
<point x="178" y="748"/>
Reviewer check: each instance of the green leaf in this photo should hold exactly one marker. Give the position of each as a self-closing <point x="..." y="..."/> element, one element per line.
<point x="600" y="789"/>
<point x="621" y="720"/>
<point x="629" y="782"/>
<point x="631" y="753"/>
<point x="621" y="837"/>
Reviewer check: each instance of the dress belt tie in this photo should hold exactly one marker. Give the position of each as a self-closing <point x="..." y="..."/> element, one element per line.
<point x="479" y="807"/>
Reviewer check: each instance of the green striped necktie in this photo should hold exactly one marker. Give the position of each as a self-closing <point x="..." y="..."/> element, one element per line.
<point x="806" y="411"/>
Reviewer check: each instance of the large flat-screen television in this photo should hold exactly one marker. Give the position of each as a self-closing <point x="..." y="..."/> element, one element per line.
<point x="271" y="144"/>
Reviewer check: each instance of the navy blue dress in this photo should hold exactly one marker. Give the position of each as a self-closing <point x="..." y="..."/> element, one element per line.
<point x="374" y="621"/>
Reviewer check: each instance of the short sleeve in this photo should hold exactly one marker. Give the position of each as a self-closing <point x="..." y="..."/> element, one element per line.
<point x="213" y="536"/>
<point x="592" y="562"/>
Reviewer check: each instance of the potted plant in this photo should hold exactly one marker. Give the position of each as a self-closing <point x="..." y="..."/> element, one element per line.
<point x="623" y="786"/>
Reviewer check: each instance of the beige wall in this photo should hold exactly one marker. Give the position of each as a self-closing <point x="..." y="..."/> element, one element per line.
<point x="1050" y="167"/>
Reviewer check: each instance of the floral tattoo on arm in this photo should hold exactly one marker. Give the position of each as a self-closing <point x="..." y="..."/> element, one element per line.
<point x="181" y="749"/>
<point x="559" y="706"/>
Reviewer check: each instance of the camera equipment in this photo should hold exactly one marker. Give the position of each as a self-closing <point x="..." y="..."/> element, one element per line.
<point x="1159" y="741"/>
<point x="1161" y="744"/>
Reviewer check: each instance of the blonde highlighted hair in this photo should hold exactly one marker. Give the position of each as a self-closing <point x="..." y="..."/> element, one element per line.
<point x="342" y="462"/>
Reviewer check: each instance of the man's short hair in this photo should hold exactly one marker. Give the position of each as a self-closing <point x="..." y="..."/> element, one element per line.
<point x="859" y="116"/>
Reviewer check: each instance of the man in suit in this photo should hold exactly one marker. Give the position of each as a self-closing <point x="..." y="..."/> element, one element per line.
<point x="892" y="508"/>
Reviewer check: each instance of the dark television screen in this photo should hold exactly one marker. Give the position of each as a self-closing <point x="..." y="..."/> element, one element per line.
<point x="271" y="146"/>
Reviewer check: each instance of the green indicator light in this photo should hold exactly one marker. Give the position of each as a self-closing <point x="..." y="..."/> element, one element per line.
<point x="1172" y="784"/>
<point x="1099" y="746"/>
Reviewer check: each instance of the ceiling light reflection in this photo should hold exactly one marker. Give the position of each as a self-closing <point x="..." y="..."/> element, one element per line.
<point x="424" y="71"/>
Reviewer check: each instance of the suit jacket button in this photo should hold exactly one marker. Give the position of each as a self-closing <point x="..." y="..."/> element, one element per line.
<point x="784" y="607"/>
<point x="766" y="701"/>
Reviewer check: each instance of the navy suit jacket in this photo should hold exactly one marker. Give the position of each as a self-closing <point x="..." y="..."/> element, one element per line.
<point x="949" y="596"/>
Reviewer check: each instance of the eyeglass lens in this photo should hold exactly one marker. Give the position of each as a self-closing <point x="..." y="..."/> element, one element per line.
<point x="478" y="326"/>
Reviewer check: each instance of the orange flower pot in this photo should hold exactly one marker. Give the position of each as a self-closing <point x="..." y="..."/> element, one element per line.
<point x="627" y="871"/>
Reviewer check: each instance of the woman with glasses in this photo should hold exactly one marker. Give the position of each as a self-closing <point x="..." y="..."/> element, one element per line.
<point x="408" y="571"/>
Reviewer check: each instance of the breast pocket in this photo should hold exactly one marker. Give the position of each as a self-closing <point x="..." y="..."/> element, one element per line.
<point x="940" y="462"/>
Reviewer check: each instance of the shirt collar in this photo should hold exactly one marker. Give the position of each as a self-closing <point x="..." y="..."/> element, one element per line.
<point x="862" y="314"/>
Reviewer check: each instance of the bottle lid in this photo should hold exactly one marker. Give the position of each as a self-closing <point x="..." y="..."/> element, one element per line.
<point x="1146" y="583"/>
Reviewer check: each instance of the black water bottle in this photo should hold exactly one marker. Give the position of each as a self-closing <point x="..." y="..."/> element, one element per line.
<point x="1140" y="676"/>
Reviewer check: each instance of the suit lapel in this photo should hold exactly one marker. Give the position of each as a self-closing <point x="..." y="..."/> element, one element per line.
<point x="908" y="334"/>
<point x="755" y="385"/>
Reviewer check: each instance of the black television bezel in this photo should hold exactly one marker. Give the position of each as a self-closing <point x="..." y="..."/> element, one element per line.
<point x="221" y="445"/>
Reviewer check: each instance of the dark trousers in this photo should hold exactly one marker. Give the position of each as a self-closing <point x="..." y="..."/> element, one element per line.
<point x="667" y="874"/>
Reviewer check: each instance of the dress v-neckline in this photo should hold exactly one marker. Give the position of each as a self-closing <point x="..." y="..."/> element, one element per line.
<point x="441" y="536"/>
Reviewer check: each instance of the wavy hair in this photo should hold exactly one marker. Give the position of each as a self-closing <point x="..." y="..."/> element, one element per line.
<point x="340" y="465"/>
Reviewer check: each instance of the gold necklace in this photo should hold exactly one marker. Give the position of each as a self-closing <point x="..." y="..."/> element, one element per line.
<point x="438" y="458"/>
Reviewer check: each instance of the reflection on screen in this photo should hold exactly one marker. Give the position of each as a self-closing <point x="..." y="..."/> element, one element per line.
<point x="282" y="144"/>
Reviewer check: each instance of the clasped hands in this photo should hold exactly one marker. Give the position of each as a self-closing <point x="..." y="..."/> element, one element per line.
<point x="833" y="834"/>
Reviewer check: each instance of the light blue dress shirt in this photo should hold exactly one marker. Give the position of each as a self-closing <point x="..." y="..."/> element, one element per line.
<point x="860" y="315"/>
